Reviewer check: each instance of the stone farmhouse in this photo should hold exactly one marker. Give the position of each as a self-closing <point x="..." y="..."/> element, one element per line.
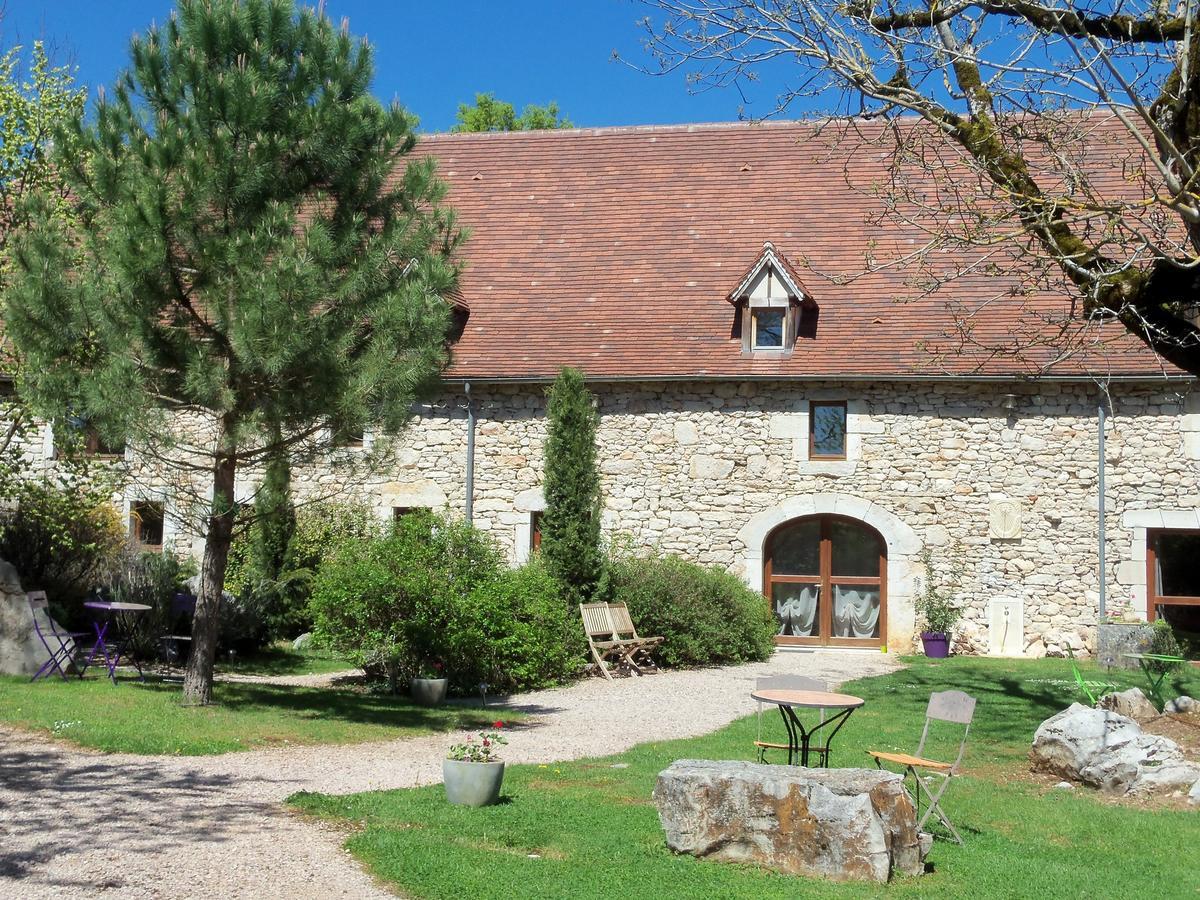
<point x="809" y="432"/>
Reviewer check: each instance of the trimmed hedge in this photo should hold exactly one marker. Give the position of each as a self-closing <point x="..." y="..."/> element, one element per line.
<point x="707" y="616"/>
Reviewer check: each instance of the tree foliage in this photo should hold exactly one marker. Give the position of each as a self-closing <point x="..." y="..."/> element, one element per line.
<point x="258" y="256"/>
<point x="36" y="99"/>
<point x="490" y="114"/>
<point x="571" y="522"/>
<point x="1057" y="143"/>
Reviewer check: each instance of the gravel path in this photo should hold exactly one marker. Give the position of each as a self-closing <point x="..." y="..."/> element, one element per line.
<point x="81" y="824"/>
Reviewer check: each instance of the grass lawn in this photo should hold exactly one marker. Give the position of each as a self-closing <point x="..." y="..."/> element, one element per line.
<point x="137" y="717"/>
<point x="595" y="832"/>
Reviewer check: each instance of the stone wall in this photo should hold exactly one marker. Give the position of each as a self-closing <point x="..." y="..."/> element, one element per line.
<point x="705" y="469"/>
<point x="690" y="468"/>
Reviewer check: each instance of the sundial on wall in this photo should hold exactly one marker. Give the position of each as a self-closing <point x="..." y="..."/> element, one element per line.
<point x="1005" y="520"/>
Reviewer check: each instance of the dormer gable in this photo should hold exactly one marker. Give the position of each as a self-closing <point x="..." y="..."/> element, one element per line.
<point x="770" y="300"/>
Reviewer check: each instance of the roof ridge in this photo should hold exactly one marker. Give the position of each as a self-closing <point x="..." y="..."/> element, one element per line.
<point x="682" y="127"/>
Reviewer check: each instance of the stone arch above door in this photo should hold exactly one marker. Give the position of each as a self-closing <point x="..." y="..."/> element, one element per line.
<point x="902" y="541"/>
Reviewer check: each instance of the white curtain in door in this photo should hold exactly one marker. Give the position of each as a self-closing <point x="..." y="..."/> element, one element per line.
<point x="855" y="612"/>
<point x="798" y="613"/>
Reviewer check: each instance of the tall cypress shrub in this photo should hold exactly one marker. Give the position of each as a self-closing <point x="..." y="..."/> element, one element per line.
<point x="571" y="522"/>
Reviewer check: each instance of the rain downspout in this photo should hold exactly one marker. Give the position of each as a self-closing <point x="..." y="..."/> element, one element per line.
<point x="470" y="486"/>
<point x="1100" y="453"/>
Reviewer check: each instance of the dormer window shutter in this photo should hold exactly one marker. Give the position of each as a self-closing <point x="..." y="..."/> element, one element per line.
<point x="770" y="300"/>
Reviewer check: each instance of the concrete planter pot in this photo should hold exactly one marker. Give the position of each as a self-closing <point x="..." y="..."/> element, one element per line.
<point x="936" y="644"/>
<point x="429" y="691"/>
<point x="472" y="783"/>
<point x="1114" y="639"/>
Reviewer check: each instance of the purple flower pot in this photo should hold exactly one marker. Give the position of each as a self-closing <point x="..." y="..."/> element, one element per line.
<point x="937" y="646"/>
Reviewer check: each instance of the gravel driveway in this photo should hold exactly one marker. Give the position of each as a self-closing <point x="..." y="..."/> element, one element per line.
<point x="80" y="824"/>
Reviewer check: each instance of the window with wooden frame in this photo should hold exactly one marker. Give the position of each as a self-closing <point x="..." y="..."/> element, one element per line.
<point x="90" y="442"/>
<point x="1173" y="577"/>
<point x="146" y="524"/>
<point x="827" y="429"/>
<point x="535" y="530"/>
<point x="825" y="578"/>
<point x="349" y="438"/>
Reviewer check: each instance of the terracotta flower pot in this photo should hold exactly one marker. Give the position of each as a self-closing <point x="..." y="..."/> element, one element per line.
<point x="429" y="691"/>
<point x="472" y="783"/>
<point x="936" y="644"/>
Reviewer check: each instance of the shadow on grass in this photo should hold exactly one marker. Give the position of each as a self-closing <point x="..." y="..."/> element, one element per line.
<point x="356" y="706"/>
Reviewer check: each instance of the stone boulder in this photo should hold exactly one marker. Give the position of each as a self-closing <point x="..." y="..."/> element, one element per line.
<point x="1109" y="751"/>
<point x="1132" y="704"/>
<point x="1183" y="706"/>
<point x="840" y="824"/>
<point x="21" y="651"/>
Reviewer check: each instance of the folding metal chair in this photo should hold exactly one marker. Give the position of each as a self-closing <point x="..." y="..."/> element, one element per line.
<point x="787" y="683"/>
<point x="946" y="706"/>
<point x="62" y="646"/>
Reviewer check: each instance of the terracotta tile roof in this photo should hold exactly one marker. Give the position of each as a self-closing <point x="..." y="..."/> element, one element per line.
<point x="614" y="250"/>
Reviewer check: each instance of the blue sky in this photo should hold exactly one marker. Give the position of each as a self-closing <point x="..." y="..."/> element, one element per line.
<point x="434" y="55"/>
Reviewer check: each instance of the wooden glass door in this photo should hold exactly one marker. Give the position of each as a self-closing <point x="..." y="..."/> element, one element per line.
<point x="825" y="578"/>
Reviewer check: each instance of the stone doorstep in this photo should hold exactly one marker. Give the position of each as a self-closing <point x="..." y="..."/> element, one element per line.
<point x="840" y="824"/>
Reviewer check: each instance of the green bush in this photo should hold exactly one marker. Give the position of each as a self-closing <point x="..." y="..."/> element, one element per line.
<point x="433" y="590"/>
<point x="319" y="530"/>
<point x="707" y="616"/>
<point x="393" y="603"/>
<point x="516" y="633"/>
<point x="62" y="539"/>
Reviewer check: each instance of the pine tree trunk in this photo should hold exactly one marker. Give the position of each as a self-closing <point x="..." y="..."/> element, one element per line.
<point x="198" y="679"/>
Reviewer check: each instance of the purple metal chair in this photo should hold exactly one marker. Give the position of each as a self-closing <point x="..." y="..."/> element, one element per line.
<point x="61" y="645"/>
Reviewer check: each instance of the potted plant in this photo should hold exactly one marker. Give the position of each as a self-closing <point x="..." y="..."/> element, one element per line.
<point x="428" y="686"/>
<point x="936" y="609"/>
<point x="472" y="772"/>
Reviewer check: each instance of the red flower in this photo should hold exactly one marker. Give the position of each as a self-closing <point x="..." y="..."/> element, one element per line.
<point x="497" y="724"/>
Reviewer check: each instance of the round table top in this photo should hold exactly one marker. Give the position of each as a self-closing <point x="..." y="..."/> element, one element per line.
<point x="117" y="607"/>
<point x="808" y="699"/>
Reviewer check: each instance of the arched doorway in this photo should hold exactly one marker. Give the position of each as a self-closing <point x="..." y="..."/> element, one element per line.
<point x="825" y="578"/>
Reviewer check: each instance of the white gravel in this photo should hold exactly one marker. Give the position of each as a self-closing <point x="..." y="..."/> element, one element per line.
<point x="79" y="824"/>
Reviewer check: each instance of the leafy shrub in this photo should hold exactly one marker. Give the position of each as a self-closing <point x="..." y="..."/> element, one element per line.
<point x="283" y="601"/>
<point x="62" y="538"/>
<point x="1163" y="642"/>
<point x="516" y="633"/>
<point x="435" y="590"/>
<point x="152" y="579"/>
<point x="390" y="603"/>
<point x="706" y="616"/>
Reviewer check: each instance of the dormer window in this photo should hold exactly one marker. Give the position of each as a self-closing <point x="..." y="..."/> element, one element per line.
<point x="770" y="301"/>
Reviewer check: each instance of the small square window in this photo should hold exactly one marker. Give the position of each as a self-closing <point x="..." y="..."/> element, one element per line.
<point x="768" y="327"/>
<point x="827" y="430"/>
<point x="146" y="524"/>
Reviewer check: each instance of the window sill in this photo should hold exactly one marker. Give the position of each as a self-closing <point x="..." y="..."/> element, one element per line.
<point x="826" y="466"/>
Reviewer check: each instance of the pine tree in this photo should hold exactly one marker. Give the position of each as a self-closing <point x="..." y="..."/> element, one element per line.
<point x="260" y="257"/>
<point x="571" y="522"/>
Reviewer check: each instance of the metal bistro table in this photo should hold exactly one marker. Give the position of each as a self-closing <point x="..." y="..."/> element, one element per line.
<point x="116" y="627"/>
<point x="800" y="738"/>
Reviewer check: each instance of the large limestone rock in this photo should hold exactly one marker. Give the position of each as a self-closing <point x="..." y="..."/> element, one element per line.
<point x="1109" y="751"/>
<point x="840" y="824"/>
<point x="21" y="652"/>
<point x="1132" y="704"/>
